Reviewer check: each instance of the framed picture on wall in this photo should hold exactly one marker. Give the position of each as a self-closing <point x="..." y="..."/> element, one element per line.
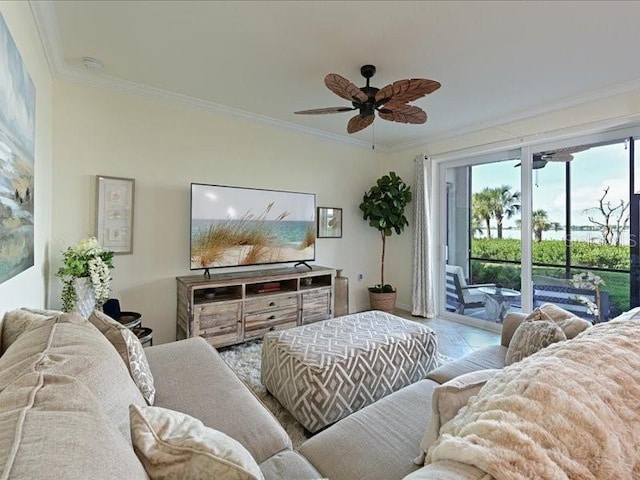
<point x="114" y="213"/>
<point x="329" y="222"/>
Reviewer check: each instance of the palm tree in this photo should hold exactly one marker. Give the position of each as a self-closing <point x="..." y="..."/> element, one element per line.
<point x="476" y="224"/>
<point x="481" y="209"/>
<point x="503" y="203"/>
<point x="540" y="223"/>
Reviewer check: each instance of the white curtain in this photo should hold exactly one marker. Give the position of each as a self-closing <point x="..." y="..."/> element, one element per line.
<point x="422" y="299"/>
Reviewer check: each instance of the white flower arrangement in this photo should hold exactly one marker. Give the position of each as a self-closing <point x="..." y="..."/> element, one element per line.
<point x="588" y="281"/>
<point x="591" y="306"/>
<point x="85" y="259"/>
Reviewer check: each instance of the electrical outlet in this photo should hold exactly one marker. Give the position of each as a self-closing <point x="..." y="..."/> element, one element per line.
<point x="360" y="277"/>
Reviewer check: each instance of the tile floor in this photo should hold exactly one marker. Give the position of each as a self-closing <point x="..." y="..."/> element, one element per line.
<point x="455" y="339"/>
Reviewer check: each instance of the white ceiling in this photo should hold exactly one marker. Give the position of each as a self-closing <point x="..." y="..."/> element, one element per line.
<point x="497" y="60"/>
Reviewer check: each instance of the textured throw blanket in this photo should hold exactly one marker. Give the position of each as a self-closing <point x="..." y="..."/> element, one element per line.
<point x="571" y="411"/>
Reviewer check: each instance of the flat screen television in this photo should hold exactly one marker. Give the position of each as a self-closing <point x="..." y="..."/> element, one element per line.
<point x="236" y="226"/>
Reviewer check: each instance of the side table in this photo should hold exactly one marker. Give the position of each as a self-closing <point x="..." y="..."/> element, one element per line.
<point x="498" y="301"/>
<point x="145" y="335"/>
<point x="130" y="319"/>
<point x="133" y="321"/>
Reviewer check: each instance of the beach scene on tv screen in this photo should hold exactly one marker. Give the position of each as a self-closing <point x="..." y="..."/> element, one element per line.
<point x="232" y="226"/>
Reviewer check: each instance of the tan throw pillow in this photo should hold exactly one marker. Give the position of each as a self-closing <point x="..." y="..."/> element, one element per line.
<point x="536" y="315"/>
<point x="131" y="351"/>
<point x="531" y="337"/>
<point x="573" y="326"/>
<point x="447" y="400"/>
<point x="172" y="445"/>
<point x="567" y="321"/>
<point x="554" y="312"/>
<point x="16" y="322"/>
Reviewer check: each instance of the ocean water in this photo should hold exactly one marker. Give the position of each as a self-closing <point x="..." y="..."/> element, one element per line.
<point x="284" y="232"/>
<point x="590" y="236"/>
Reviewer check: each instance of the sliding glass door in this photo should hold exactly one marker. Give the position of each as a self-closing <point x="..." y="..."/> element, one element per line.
<point x="482" y="253"/>
<point x="583" y="222"/>
<point x="581" y="217"/>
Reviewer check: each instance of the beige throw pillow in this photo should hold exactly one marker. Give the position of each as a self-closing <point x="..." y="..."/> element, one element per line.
<point x="554" y="312"/>
<point x="567" y="321"/>
<point x="173" y="445"/>
<point x="532" y="336"/>
<point x="447" y="400"/>
<point x="573" y="326"/>
<point x="131" y="351"/>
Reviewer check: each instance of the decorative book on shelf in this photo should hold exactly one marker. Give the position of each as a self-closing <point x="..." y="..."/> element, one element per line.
<point x="265" y="287"/>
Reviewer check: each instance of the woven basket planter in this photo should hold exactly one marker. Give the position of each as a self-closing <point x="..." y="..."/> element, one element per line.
<point x="383" y="301"/>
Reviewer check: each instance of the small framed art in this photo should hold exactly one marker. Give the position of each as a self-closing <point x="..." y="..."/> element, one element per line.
<point x="329" y="222"/>
<point x="114" y="213"/>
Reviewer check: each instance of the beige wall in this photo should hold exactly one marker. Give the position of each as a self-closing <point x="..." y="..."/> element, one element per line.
<point x="165" y="147"/>
<point x="29" y="287"/>
<point x="589" y="118"/>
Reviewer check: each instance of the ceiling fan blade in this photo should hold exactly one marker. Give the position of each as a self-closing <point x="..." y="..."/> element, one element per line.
<point x="558" y="157"/>
<point x="322" y="111"/>
<point x="359" y="122"/>
<point x="399" y="112"/>
<point x="404" y="91"/>
<point x="344" y="88"/>
<point x="563" y="154"/>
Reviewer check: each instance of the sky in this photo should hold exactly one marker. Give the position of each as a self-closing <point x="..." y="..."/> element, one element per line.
<point x="219" y="202"/>
<point x="591" y="172"/>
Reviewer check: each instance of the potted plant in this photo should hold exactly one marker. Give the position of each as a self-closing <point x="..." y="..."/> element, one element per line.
<point x="85" y="276"/>
<point x="383" y="207"/>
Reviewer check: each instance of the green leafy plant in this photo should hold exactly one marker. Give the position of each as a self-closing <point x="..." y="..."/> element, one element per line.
<point x="86" y="259"/>
<point x="383" y="207"/>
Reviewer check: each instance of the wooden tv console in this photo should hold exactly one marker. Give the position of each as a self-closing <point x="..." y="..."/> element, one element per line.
<point x="230" y="308"/>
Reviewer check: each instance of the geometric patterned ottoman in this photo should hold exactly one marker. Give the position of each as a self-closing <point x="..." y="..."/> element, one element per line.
<point x="326" y="370"/>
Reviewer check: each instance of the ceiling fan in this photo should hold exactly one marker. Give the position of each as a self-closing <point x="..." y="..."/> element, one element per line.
<point x="541" y="159"/>
<point x="391" y="102"/>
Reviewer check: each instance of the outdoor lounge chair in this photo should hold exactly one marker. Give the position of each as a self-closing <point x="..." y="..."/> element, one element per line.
<point x="461" y="296"/>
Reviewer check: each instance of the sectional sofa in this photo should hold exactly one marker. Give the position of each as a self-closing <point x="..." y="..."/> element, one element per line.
<point x="66" y="396"/>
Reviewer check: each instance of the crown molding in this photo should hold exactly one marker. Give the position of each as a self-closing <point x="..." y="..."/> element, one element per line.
<point x="46" y="22"/>
<point x="44" y="15"/>
<point x="569" y="102"/>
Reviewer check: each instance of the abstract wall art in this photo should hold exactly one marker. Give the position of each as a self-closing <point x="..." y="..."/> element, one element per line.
<point x="17" y="159"/>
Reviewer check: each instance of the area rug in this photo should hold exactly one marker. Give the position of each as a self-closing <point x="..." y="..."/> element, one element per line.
<point x="245" y="360"/>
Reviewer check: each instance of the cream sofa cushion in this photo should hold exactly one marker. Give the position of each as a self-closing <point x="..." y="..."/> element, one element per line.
<point x="79" y="351"/>
<point x="16" y="322"/>
<point x="131" y="351"/>
<point x="532" y="336"/>
<point x="64" y="397"/>
<point x="53" y="427"/>
<point x="447" y="399"/>
<point x="173" y="445"/>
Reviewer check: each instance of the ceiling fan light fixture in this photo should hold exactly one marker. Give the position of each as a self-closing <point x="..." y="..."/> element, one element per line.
<point x="367" y="100"/>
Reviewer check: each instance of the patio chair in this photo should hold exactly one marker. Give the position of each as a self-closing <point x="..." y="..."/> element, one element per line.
<point x="565" y="297"/>
<point x="461" y="296"/>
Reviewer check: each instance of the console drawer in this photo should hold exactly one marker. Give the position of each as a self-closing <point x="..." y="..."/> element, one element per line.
<point x="258" y="333"/>
<point x="270" y="318"/>
<point x="272" y="302"/>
